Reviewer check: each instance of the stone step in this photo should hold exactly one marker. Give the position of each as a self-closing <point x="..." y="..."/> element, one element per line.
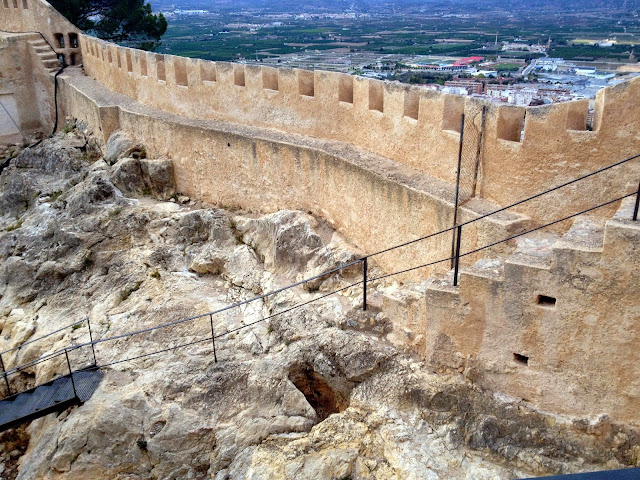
<point x="625" y="210"/>
<point x="47" y="56"/>
<point x="586" y="234"/>
<point x="534" y="250"/>
<point x="442" y="283"/>
<point x="54" y="63"/>
<point x="491" y="268"/>
<point x="39" y="45"/>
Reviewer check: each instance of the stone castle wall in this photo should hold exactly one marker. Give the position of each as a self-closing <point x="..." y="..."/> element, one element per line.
<point x="374" y="202"/>
<point x="559" y="331"/>
<point x="26" y="88"/>
<point x="524" y="150"/>
<point x="378" y="161"/>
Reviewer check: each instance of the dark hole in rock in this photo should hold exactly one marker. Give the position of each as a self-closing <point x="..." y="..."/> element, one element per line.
<point x="546" y="301"/>
<point x="324" y="399"/>
<point x="521" y="359"/>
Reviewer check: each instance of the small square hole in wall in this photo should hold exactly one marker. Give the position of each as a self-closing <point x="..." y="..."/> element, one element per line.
<point x="545" y="301"/>
<point x="521" y="359"/>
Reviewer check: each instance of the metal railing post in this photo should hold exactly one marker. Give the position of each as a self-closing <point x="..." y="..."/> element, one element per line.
<point x="635" y="210"/>
<point x="4" y="374"/>
<point x="457" y="256"/>
<point x="455" y="206"/>
<point x="93" y="347"/>
<point x="364" y="283"/>
<point x="73" y="383"/>
<point x="213" y="338"/>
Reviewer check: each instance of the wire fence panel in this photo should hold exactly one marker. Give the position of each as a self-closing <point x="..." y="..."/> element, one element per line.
<point x="471" y="152"/>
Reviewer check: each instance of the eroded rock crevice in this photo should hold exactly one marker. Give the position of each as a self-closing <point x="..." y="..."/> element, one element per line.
<point x="314" y="392"/>
<point x="324" y="399"/>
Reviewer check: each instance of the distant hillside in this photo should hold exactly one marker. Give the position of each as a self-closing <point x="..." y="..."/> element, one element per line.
<point x="372" y="6"/>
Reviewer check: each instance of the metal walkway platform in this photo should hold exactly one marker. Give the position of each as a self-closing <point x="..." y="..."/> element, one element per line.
<point x="625" y="474"/>
<point x="47" y="398"/>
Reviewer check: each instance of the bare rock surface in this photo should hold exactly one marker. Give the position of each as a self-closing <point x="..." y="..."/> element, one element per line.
<point x="306" y="393"/>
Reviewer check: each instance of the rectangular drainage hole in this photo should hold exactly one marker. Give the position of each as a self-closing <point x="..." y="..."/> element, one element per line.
<point x="521" y="359"/>
<point x="546" y="301"/>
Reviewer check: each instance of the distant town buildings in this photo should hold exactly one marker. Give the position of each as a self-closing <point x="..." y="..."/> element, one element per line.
<point x="447" y="66"/>
<point x="523" y="47"/>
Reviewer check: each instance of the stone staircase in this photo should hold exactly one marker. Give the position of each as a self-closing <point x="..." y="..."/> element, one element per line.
<point x="540" y="250"/>
<point x="45" y="53"/>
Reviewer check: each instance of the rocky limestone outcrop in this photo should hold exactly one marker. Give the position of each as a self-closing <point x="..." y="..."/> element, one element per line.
<point x="312" y="392"/>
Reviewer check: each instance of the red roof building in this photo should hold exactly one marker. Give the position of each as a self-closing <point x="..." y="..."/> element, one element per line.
<point x="467" y="61"/>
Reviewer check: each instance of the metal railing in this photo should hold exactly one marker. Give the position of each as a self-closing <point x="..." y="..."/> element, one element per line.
<point x="363" y="282"/>
<point x="20" y="368"/>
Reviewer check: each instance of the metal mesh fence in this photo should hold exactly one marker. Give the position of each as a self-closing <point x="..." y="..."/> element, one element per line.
<point x="471" y="151"/>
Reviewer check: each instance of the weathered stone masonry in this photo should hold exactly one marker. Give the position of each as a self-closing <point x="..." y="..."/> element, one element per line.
<point x="378" y="161"/>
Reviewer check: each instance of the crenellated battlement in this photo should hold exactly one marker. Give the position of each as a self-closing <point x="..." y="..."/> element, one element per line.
<point x="378" y="161"/>
<point x="524" y="150"/>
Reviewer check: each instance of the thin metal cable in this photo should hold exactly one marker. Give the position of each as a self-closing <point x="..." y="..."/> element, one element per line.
<point x="44" y="336"/>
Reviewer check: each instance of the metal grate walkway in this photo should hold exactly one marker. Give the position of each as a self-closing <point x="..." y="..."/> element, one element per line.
<point x="625" y="474"/>
<point x="47" y="398"/>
